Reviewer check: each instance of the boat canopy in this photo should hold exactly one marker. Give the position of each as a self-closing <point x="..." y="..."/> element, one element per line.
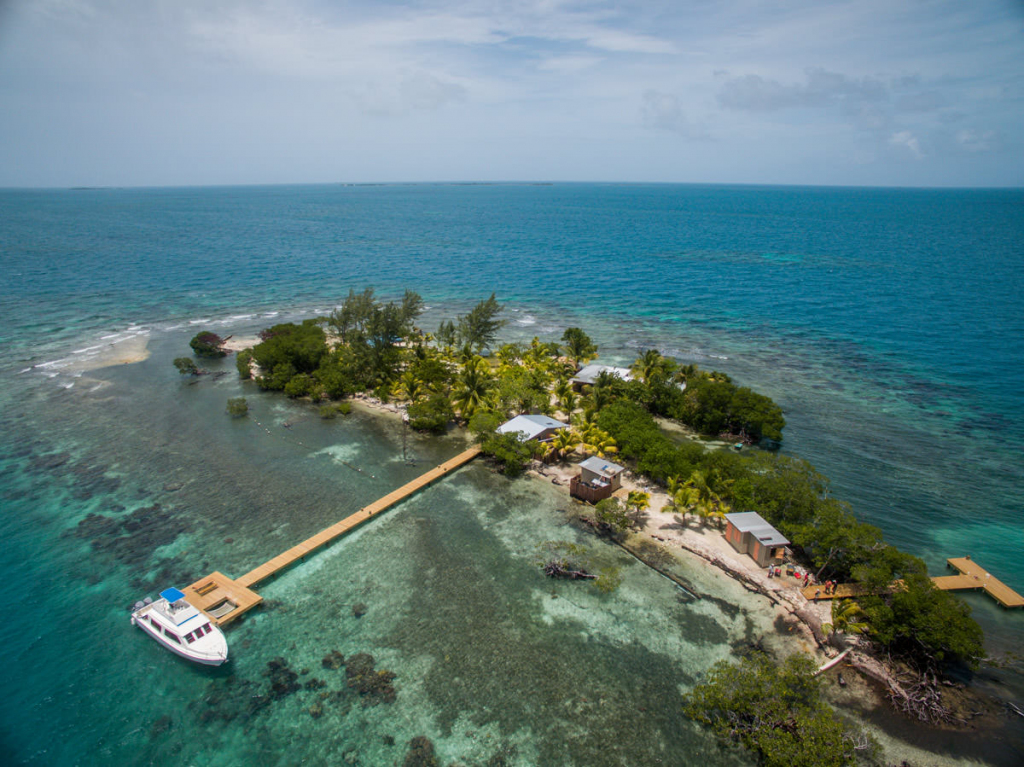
<point x="171" y="595"/>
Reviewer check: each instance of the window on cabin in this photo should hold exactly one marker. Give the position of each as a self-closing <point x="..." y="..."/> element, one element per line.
<point x="189" y="638"/>
<point x="172" y="637"/>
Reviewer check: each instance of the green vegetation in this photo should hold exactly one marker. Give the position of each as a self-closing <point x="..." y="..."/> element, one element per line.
<point x="186" y="366"/>
<point x="776" y="711"/>
<point x="207" y="344"/>
<point x="564" y="559"/>
<point x="237" y="407"/>
<point x="334" y="409"/>
<point x="578" y="345"/>
<point x="287" y="351"/>
<point x="374" y="346"/>
<point x="478" y="329"/>
<point x="847" y="618"/>
<point x="510" y="453"/>
<point x="243" y="361"/>
<point x="432" y="414"/>
<point x="917" y="622"/>
<point x="612" y="517"/>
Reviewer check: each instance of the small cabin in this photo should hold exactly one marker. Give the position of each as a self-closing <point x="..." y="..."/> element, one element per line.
<point x="588" y="375"/>
<point x="597" y="480"/>
<point x="750" y="534"/>
<point x="538" y="427"/>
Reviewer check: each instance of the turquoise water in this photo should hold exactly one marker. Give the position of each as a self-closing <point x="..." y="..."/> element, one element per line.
<point x="888" y="323"/>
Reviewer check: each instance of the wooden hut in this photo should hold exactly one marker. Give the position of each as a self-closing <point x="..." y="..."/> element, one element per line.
<point x="597" y="480"/>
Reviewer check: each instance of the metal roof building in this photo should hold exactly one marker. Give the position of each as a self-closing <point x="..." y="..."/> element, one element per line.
<point x="750" y="534"/>
<point x="538" y="427"/>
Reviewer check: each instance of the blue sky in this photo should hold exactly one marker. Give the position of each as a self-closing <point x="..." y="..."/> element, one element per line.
<point x="173" y="92"/>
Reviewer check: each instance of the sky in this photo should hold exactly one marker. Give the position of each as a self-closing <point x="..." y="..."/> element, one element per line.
<point x="201" y="92"/>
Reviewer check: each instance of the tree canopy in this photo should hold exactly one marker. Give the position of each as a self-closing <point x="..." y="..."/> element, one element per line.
<point x="207" y="344"/>
<point x="775" y="710"/>
<point x="480" y="326"/>
<point x="579" y="346"/>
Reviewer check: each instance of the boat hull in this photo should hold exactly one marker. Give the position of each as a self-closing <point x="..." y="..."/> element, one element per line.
<point x="201" y="658"/>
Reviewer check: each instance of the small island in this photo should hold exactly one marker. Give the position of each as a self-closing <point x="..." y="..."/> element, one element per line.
<point x="659" y="457"/>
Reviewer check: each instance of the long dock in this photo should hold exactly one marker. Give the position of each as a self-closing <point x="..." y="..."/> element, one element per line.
<point x="972" y="577"/>
<point x="223" y="599"/>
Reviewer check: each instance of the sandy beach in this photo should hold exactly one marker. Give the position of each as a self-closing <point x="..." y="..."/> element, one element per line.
<point x="124" y="351"/>
<point x="707" y="545"/>
<point x="236" y="344"/>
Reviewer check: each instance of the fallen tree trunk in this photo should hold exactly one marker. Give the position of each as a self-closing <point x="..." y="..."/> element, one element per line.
<point x="912" y="693"/>
<point x="563" y="570"/>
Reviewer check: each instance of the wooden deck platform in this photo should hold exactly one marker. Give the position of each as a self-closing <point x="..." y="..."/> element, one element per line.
<point x="972" y="577"/>
<point x="842" y="591"/>
<point x="216" y="591"/>
<point x="214" y="595"/>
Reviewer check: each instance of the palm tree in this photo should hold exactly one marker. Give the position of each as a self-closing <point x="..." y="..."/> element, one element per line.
<point x="845" y="615"/>
<point x="651" y="366"/>
<point x="578" y="345"/>
<point x="682" y="500"/>
<point x="598" y="441"/>
<point x="562" y="442"/>
<point x="601" y="393"/>
<point x="636" y="503"/>
<point x="410" y="387"/>
<point x="565" y="397"/>
<point x="674" y="485"/>
<point x="472" y="387"/>
<point x="704" y="501"/>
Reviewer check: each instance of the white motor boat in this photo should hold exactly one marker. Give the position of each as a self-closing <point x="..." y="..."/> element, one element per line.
<point x="181" y="628"/>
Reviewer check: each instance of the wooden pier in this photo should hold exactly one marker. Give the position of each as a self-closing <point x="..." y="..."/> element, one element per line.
<point x="972" y="577"/>
<point x="223" y="599"/>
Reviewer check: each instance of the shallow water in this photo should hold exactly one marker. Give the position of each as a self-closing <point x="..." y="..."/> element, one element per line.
<point x="491" y="656"/>
<point x="887" y="323"/>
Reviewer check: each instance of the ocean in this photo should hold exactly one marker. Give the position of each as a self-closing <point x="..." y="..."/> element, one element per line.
<point x="888" y="323"/>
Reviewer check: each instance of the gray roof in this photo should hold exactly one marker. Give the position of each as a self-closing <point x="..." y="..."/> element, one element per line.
<point x="601" y="466"/>
<point x="530" y="425"/>
<point x="589" y="374"/>
<point x="752" y="522"/>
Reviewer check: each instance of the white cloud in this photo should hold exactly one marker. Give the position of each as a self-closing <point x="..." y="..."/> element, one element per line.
<point x="973" y="141"/>
<point x="554" y="82"/>
<point x="821" y="89"/>
<point x="908" y="141"/>
<point x="569" y="64"/>
<point x="663" y="111"/>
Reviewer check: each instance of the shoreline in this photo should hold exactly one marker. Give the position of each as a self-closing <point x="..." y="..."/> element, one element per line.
<point x="705" y="545"/>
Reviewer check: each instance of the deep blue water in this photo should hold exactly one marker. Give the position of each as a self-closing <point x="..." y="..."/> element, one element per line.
<point x="888" y="323"/>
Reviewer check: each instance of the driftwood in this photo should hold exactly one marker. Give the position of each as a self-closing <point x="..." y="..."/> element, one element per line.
<point x="557" y="569"/>
<point x="913" y="693"/>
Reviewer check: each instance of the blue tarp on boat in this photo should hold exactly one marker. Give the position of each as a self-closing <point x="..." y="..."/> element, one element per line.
<point x="171" y="595"/>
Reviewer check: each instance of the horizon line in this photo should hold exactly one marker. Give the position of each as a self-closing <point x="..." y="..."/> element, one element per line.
<point x="751" y="184"/>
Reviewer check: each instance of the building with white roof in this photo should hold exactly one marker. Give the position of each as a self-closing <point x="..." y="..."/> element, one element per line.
<point x="538" y="427"/>
<point x="588" y="375"/>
